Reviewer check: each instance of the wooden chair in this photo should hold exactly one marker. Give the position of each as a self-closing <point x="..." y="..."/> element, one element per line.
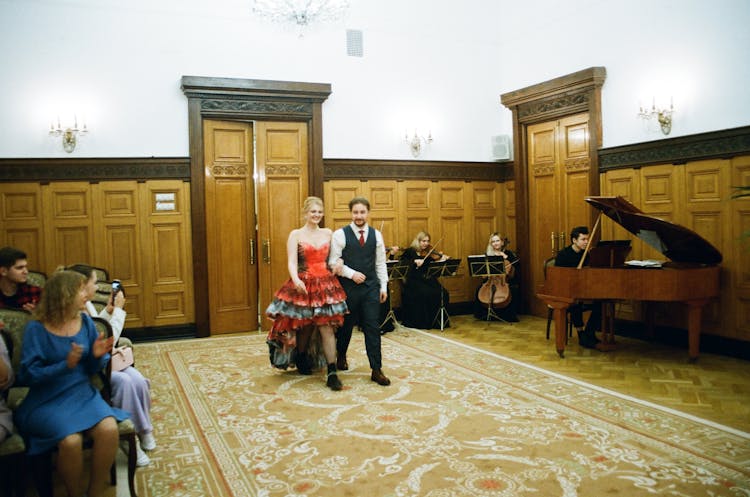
<point x="37" y="278"/>
<point x="13" y="448"/>
<point x="101" y="273"/>
<point x="550" y="311"/>
<point x="126" y="428"/>
<point x="104" y="287"/>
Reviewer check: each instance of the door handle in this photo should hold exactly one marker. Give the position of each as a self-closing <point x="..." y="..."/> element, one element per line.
<point x="252" y="251"/>
<point x="267" y="251"/>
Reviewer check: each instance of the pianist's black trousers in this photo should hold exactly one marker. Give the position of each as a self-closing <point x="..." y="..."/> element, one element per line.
<point x="592" y="325"/>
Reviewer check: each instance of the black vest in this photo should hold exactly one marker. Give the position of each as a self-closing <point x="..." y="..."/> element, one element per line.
<point x="358" y="258"/>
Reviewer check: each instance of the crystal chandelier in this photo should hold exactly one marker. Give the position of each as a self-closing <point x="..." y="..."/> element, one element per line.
<point x="300" y="13"/>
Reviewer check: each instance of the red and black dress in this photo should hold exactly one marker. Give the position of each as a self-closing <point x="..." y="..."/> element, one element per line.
<point x="323" y="304"/>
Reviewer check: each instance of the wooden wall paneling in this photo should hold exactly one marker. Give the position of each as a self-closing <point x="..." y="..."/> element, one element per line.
<point x="624" y="183"/>
<point x="485" y="213"/>
<point x="167" y="255"/>
<point x="708" y="213"/>
<point x="739" y="252"/>
<point x="337" y="194"/>
<point x="117" y="235"/>
<point x="68" y="224"/>
<point x="415" y="199"/>
<point x="455" y="228"/>
<point x="662" y="196"/>
<point x="384" y="209"/>
<point x="22" y="221"/>
<point x="507" y="195"/>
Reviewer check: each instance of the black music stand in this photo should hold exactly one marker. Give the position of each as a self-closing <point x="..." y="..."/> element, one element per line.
<point x="396" y="271"/>
<point x="447" y="268"/>
<point x="484" y="266"/>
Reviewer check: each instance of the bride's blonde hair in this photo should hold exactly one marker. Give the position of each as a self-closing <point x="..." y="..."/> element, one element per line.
<point x="309" y="202"/>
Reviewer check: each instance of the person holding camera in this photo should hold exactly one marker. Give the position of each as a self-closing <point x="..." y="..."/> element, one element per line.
<point x="131" y="391"/>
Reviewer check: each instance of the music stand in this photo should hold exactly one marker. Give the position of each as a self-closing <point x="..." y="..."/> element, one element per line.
<point x="396" y="271"/>
<point x="448" y="267"/>
<point x="484" y="266"/>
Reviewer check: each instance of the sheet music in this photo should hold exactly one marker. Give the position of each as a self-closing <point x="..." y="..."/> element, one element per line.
<point x="644" y="263"/>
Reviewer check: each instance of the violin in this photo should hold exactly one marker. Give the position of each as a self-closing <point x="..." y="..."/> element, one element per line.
<point x="430" y="254"/>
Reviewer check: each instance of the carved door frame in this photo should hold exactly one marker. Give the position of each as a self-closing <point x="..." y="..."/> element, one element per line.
<point x="554" y="99"/>
<point x="232" y="99"/>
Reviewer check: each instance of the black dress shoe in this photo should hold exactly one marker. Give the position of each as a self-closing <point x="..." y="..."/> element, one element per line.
<point x="341" y="363"/>
<point x="379" y="378"/>
<point x="586" y="340"/>
<point x="333" y="382"/>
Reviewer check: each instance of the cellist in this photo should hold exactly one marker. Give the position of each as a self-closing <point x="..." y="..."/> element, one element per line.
<point x="420" y="299"/>
<point x="505" y="295"/>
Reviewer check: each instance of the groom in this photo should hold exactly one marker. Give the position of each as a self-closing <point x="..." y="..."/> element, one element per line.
<point x="365" y="280"/>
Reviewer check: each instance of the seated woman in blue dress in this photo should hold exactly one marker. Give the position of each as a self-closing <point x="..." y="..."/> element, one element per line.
<point x="61" y="350"/>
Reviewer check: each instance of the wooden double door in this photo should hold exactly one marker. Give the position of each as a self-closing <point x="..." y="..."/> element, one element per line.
<point x="559" y="176"/>
<point x="256" y="179"/>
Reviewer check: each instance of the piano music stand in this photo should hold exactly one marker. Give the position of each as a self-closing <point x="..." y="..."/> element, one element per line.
<point x="446" y="268"/>
<point x="396" y="271"/>
<point x="484" y="266"/>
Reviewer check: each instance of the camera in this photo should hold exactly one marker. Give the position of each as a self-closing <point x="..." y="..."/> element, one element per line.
<point x="116" y="287"/>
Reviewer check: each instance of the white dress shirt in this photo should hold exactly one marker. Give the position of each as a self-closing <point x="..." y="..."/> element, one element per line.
<point x="338" y="242"/>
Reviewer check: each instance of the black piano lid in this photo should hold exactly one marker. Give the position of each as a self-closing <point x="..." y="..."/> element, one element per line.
<point x="676" y="242"/>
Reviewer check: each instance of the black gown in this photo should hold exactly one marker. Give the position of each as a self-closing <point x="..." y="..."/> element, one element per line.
<point x="508" y="313"/>
<point x="420" y="299"/>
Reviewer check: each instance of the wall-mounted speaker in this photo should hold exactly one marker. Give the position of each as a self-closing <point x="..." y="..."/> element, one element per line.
<point x="502" y="148"/>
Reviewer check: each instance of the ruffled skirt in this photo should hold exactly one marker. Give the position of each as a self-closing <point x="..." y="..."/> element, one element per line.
<point x="323" y="304"/>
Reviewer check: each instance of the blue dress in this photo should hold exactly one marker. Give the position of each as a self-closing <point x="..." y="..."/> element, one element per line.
<point x="61" y="401"/>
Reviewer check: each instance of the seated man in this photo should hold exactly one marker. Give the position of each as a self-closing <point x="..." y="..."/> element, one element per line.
<point x="570" y="256"/>
<point x="15" y="292"/>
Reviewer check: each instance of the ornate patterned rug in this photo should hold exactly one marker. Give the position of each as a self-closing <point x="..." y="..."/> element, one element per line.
<point x="456" y="421"/>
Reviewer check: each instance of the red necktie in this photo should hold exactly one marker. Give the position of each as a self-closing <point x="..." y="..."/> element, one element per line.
<point x="361" y="238"/>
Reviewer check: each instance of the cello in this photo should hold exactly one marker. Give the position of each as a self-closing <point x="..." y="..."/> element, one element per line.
<point x="495" y="292"/>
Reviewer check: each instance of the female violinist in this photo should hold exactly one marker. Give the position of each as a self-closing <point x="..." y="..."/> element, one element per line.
<point x="500" y="292"/>
<point x="421" y="296"/>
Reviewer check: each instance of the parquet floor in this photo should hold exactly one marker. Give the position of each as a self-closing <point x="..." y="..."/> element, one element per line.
<point x="715" y="388"/>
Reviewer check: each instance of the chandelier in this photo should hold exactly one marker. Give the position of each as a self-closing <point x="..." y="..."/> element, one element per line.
<point x="300" y="13"/>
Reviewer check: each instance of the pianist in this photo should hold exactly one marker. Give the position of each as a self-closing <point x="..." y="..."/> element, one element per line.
<point x="570" y="256"/>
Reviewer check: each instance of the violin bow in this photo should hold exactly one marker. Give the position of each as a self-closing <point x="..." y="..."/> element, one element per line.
<point x="433" y="248"/>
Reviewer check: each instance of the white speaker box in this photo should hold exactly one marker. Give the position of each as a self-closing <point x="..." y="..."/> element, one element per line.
<point x="502" y="147"/>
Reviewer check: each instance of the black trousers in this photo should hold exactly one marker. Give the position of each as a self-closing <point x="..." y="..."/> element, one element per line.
<point x="595" y="320"/>
<point x="364" y="310"/>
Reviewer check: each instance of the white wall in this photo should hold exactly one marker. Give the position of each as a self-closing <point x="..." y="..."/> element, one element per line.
<point x="434" y="64"/>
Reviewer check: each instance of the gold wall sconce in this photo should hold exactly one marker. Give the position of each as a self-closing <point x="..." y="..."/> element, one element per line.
<point x="662" y="115"/>
<point x="415" y="141"/>
<point x="69" y="134"/>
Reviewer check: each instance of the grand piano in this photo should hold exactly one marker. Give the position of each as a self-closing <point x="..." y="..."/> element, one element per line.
<point x="691" y="277"/>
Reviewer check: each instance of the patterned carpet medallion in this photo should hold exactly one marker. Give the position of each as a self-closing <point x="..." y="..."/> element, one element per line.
<point x="455" y="422"/>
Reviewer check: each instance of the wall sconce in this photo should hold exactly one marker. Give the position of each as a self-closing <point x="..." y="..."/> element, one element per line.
<point x="415" y="142"/>
<point x="69" y="134"/>
<point x="664" y="116"/>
